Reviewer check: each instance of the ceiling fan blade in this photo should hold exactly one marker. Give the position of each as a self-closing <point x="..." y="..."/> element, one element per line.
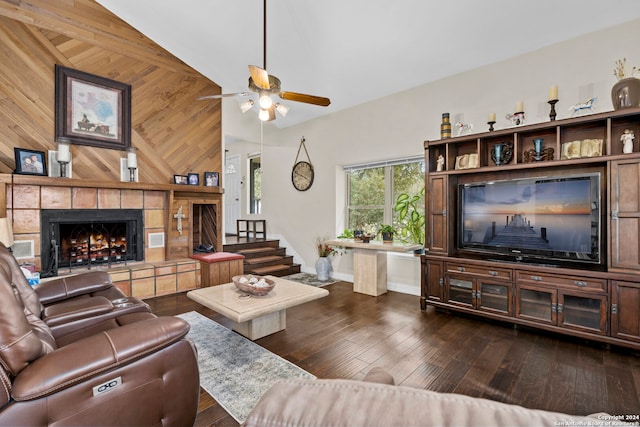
<point x="260" y="77"/>
<point x="223" y="95"/>
<point x="309" y="99"/>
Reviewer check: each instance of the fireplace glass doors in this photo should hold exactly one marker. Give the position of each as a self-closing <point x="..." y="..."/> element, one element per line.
<point x="90" y="237"/>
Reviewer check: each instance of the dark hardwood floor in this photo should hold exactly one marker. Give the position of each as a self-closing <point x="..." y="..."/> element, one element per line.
<point x="345" y="334"/>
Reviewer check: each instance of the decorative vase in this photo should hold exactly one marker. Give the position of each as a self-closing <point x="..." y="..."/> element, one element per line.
<point x="323" y="267"/>
<point x="626" y="93"/>
<point x="537" y="146"/>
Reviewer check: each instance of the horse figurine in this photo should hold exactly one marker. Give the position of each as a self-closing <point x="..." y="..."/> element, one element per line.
<point x="464" y="127"/>
<point x="587" y="105"/>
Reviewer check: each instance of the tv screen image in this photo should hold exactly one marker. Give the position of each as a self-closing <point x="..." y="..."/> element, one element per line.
<point x="553" y="218"/>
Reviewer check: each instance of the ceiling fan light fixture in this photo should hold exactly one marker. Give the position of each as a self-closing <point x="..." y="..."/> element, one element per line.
<point x="282" y="109"/>
<point x="265" y="101"/>
<point x="246" y="106"/>
<point x="263" y="115"/>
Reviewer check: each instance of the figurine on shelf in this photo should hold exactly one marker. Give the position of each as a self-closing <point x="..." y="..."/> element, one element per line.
<point x="440" y="163"/>
<point x="627" y="141"/>
<point x="587" y="105"/>
<point x="516" y="119"/>
<point x="462" y="127"/>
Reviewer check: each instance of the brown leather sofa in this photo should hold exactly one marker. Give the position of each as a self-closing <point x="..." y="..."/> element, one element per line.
<point x="108" y="364"/>
<point x="377" y="402"/>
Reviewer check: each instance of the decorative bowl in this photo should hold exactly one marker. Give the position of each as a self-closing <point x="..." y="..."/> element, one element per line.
<point x="253" y="285"/>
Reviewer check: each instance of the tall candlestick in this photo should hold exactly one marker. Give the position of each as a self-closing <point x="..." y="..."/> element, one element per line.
<point x="553" y="93"/>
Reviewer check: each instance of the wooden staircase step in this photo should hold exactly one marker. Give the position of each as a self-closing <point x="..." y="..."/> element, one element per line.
<point x="270" y="269"/>
<point x="254" y="250"/>
<point x="260" y="260"/>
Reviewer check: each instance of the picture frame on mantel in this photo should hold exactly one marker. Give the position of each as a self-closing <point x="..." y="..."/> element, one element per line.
<point x="92" y="110"/>
<point x="30" y="162"/>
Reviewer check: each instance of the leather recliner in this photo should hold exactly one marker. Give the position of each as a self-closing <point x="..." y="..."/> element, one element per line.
<point x="73" y="306"/>
<point x="138" y="369"/>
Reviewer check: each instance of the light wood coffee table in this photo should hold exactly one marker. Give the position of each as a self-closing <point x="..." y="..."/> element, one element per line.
<point x="257" y="316"/>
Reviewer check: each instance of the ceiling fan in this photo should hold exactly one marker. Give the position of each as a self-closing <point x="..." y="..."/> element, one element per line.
<point x="265" y="85"/>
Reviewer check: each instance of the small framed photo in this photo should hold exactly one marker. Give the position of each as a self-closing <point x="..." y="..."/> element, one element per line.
<point x="194" y="179"/>
<point x="29" y="162"/>
<point x="180" y="179"/>
<point x="211" y="179"/>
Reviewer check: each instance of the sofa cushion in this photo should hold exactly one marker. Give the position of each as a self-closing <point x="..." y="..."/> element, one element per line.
<point x="217" y="257"/>
<point x="350" y="403"/>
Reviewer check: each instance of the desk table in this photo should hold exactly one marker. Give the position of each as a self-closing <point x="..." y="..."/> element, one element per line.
<point x="370" y="263"/>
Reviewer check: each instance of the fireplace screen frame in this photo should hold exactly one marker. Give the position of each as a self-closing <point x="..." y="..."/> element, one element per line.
<point x="50" y="220"/>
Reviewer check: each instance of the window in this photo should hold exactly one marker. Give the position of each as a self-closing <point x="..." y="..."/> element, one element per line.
<point x="372" y="190"/>
<point x="255" y="185"/>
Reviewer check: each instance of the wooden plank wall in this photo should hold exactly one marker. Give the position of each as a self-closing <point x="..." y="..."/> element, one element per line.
<point x="174" y="133"/>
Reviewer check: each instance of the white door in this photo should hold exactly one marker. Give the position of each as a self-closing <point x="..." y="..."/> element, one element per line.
<point x="231" y="194"/>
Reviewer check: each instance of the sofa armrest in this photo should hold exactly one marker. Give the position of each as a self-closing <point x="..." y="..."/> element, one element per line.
<point x="72" y="286"/>
<point x="75" y="309"/>
<point x="83" y="359"/>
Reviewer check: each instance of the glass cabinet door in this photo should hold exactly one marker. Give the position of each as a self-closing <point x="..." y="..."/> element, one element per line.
<point x="586" y="312"/>
<point x="536" y="304"/>
<point x="460" y="291"/>
<point x="495" y="297"/>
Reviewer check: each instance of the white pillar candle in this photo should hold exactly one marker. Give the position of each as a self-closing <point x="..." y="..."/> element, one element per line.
<point x="520" y="107"/>
<point x="553" y="93"/>
<point x="492" y="117"/>
<point x="132" y="159"/>
<point x="64" y="155"/>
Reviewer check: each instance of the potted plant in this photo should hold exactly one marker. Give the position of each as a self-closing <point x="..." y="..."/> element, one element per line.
<point x="323" y="264"/>
<point x="410" y="217"/>
<point x="346" y="234"/>
<point x="386" y="231"/>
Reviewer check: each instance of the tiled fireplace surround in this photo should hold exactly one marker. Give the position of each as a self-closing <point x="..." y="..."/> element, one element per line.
<point x="154" y="276"/>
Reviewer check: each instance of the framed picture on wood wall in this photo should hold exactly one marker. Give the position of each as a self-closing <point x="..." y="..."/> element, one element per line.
<point x="211" y="179"/>
<point x="194" y="179"/>
<point x="92" y="110"/>
<point x="180" y="179"/>
<point x="29" y="162"/>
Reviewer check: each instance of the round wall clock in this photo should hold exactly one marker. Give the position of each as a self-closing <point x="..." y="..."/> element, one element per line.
<point x="302" y="176"/>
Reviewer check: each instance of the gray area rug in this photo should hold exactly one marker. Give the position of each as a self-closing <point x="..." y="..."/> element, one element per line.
<point x="234" y="370"/>
<point x="309" y="279"/>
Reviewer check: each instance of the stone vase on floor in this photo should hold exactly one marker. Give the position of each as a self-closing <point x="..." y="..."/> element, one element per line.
<point x="323" y="268"/>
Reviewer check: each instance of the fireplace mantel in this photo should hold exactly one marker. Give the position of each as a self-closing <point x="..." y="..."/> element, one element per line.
<point x="70" y="182"/>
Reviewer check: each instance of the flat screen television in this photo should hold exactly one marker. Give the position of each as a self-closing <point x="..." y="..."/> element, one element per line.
<point x="552" y="220"/>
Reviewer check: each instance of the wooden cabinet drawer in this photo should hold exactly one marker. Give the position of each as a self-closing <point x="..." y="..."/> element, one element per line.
<point x="479" y="271"/>
<point x="568" y="282"/>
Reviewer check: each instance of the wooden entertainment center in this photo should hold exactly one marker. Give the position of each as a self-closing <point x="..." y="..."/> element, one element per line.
<point x="598" y="301"/>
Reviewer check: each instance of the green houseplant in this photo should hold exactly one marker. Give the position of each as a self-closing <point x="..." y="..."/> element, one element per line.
<point x="386" y="231"/>
<point x="411" y="217"/>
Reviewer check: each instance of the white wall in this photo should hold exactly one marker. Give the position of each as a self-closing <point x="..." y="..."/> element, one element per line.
<point x="397" y="125"/>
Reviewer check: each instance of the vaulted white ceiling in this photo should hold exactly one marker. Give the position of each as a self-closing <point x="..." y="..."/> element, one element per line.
<point x="354" y="51"/>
